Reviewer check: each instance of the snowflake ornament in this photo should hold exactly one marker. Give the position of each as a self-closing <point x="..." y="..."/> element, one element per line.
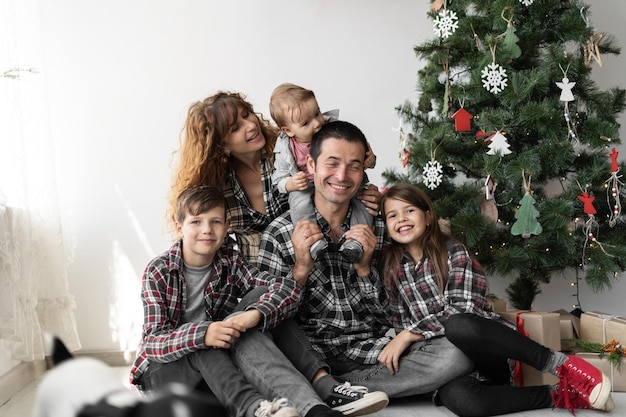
<point x="526" y="2"/>
<point x="432" y="174"/>
<point x="446" y="23"/>
<point x="494" y="78"/>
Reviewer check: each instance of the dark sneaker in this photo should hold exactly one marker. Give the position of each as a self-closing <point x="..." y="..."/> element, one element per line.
<point x="351" y="250"/>
<point x="586" y="380"/>
<point x="317" y="248"/>
<point x="276" y="408"/>
<point x="354" y="400"/>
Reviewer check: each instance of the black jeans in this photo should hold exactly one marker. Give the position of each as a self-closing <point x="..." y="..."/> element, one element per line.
<point x="490" y="344"/>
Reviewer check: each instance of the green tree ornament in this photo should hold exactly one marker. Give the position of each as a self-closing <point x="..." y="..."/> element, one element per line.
<point x="526" y="223"/>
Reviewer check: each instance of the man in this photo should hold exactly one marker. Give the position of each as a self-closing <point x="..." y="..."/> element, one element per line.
<point x="344" y="307"/>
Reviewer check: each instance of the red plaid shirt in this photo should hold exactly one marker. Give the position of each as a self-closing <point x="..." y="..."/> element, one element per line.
<point x="166" y="337"/>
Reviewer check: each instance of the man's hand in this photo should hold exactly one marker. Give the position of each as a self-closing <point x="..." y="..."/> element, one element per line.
<point x="366" y="237"/>
<point x="297" y="182"/>
<point x="222" y="334"/>
<point x="305" y="233"/>
<point x="370" y="197"/>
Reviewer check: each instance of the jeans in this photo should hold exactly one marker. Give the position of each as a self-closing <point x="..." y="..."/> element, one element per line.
<point x="425" y="366"/>
<point x="254" y="369"/>
<point x="490" y="344"/>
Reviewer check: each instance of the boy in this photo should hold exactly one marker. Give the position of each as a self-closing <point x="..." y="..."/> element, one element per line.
<point x="296" y="112"/>
<point x="190" y="335"/>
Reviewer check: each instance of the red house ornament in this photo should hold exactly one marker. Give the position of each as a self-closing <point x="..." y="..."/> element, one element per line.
<point x="462" y="119"/>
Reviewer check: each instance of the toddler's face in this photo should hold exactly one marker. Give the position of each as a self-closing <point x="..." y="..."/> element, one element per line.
<point x="309" y="121"/>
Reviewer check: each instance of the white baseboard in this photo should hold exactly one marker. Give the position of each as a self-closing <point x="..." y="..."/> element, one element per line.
<point x="19" y="377"/>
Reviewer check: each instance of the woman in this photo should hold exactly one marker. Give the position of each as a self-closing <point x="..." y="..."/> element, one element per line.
<point x="229" y="146"/>
<point x="435" y="288"/>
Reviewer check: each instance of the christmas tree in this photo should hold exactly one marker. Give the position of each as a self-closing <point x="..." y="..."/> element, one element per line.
<point x="515" y="143"/>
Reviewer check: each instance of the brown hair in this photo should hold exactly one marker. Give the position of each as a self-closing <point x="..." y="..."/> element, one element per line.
<point x="201" y="156"/>
<point x="198" y="199"/>
<point x="286" y="103"/>
<point x="433" y="240"/>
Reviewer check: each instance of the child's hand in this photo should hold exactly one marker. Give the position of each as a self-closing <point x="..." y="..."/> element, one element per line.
<point x="370" y="197"/>
<point x="297" y="183"/>
<point x="222" y="334"/>
<point x="390" y="355"/>
<point x="247" y="319"/>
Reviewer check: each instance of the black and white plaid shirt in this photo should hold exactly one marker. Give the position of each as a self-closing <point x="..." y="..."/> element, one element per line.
<point x="245" y="222"/>
<point x="344" y="316"/>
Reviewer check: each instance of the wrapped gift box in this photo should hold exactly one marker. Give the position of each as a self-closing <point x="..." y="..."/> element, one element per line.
<point x="543" y="328"/>
<point x="498" y="305"/>
<point x="570" y="329"/>
<point x="599" y="327"/>
<point x="618" y="379"/>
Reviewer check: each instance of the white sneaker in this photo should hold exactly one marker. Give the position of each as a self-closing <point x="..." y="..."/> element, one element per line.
<point x="276" y="408"/>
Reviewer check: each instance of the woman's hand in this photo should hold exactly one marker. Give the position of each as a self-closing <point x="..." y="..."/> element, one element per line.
<point x="370" y="196"/>
<point x="390" y="355"/>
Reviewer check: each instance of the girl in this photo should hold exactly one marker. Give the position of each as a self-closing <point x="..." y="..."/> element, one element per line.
<point x="435" y="288"/>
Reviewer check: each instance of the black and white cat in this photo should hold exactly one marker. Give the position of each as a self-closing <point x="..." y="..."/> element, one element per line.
<point x="86" y="387"/>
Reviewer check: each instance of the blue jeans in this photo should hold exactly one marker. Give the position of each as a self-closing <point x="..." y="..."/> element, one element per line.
<point x="424" y="367"/>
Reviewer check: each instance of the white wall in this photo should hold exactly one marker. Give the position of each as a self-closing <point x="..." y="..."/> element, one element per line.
<point x="121" y="75"/>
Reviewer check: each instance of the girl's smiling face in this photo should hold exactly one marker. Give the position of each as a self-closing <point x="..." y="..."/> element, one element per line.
<point x="405" y="222"/>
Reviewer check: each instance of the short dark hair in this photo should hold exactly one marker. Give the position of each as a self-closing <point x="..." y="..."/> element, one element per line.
<point x="338" y="129"/>
<point x="198" y="199"/>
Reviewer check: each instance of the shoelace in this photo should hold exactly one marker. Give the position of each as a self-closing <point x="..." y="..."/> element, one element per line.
<point x="346" y="387"/>
<point x="564" y="395"/>
<point x="267" y="408"/>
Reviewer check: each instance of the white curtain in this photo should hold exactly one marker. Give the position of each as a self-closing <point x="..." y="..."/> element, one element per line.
<point x="33" y="259"/>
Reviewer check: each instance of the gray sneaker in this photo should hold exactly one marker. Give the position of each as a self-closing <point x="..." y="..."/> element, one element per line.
<point x="317" y="248"/>
<point x="351" y="250"/>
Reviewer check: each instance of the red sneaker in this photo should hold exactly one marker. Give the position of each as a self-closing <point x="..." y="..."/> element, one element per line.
<point x="571" y="400"/>
<point x="586" y="380"/>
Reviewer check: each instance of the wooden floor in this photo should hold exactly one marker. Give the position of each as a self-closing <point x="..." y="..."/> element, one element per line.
<point x="21" y="405"/>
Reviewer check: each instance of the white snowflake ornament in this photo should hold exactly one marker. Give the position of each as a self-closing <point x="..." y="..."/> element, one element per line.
<point x="446" y="23"/>
<point x="526" y="2"/>
<point x="494" y="78"/>
<point x="432" y="174"/>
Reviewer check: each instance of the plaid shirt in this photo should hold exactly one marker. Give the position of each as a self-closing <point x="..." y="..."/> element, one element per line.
<point x="246" y="223"/>
<point x="343" y="315"/>
<point x="417" y="304"/>
<point x="168" y="337"/>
